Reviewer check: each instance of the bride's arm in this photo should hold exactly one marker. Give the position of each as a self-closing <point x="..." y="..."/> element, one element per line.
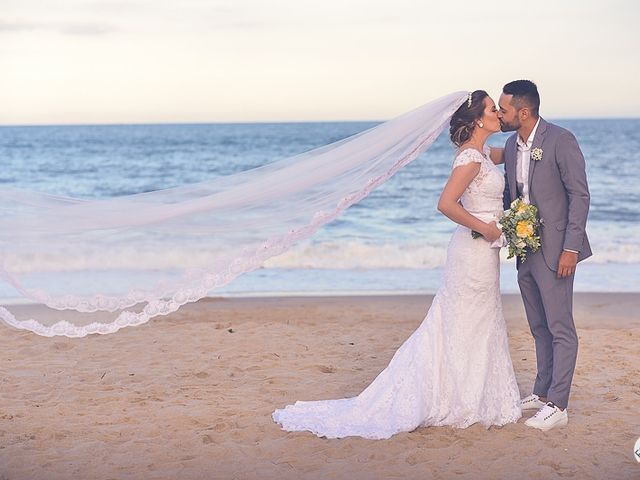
<point x="497" y="155"/>
<point x="449" y="204"/>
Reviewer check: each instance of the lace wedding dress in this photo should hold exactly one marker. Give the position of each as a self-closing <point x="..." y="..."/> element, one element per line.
<point x="455" y="369"/>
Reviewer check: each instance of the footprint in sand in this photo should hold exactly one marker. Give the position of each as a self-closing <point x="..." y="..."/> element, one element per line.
<point x="220" y="427"/>
<point x="327" y="369"/>
<point x="62" y="346"/>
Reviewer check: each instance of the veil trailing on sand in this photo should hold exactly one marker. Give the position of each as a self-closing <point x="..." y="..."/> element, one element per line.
<point x="229" y="225"/>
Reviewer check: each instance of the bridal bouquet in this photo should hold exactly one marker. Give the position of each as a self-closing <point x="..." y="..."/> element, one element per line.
<point x="520" y="226"/>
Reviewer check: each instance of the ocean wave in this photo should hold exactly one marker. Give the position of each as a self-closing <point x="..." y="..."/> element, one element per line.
<point x="345" y="255"/>
<point x="350" y="255"/>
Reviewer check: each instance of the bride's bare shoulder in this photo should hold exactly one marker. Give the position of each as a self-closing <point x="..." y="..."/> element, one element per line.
<point x="465" y="147"/>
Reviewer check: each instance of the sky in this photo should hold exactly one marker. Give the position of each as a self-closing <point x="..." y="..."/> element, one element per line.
<point x="154" y="61"/>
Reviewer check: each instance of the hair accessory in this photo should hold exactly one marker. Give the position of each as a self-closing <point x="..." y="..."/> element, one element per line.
<point x="469" y="100"/>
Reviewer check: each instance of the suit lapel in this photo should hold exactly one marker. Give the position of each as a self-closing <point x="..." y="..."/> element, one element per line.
<point x="537" y="143"/>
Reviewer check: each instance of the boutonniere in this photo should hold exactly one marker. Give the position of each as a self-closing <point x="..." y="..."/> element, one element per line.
<point x="536" y="154"/>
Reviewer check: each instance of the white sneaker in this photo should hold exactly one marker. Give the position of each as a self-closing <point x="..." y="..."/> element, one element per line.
<point x="548" y="417"/>
<point x="532" y="402"/>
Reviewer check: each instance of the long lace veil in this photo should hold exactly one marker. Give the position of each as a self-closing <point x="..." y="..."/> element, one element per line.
<point x="229" y="225"/>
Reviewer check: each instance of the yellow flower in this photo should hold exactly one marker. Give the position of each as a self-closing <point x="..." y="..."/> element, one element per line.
<point x="522" y="208"/>
<point x="524" y="229"/>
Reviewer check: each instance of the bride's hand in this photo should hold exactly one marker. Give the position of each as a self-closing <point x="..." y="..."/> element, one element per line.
<point x="491" y="232"/>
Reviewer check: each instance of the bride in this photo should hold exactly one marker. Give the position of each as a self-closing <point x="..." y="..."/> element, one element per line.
<point x="455" y="369"/>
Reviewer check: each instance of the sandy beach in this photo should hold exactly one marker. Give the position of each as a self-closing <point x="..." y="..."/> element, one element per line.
<point x="190" y="396"/>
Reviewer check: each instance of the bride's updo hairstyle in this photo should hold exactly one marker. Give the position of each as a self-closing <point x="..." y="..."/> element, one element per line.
<point x="463" y="122"/>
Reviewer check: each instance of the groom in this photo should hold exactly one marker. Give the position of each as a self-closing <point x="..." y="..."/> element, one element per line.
<point x="545" y="166"/>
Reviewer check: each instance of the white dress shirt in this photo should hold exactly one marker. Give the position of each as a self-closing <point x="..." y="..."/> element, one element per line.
<point x="522" y="162"/>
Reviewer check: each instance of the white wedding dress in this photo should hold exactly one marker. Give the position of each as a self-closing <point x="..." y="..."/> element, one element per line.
<point x="455" y="369"/>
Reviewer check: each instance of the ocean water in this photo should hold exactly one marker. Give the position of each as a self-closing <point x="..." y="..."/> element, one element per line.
<point x="393" y="241"/>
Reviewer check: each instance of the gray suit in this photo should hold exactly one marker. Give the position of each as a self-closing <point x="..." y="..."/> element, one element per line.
<point x="558" y="187"/>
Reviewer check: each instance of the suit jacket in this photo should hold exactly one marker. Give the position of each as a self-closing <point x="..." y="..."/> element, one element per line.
<point x="558" y="187"/>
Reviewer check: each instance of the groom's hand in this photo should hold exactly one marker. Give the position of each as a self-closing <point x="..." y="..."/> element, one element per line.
<point x="567" y="264"/>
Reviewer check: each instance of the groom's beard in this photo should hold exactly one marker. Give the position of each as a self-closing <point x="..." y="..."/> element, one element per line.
<point x="509" y="127"/>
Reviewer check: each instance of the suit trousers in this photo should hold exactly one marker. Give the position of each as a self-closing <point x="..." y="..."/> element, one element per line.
<point x="548" y="302"/>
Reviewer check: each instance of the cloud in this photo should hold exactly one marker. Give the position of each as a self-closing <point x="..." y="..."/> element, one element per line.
<point x="17" y="26"/>
<point x="87" y="29"/>
<point x="68" y="28"/>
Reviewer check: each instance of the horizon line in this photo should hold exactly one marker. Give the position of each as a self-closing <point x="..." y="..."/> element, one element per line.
<point x="266" y="122"/>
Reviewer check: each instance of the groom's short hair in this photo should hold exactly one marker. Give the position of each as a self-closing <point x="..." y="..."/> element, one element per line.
<point x="524" y="92"/>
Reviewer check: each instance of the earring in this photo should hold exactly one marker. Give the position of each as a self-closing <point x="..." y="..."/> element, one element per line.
<point x="481" y="124"/>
